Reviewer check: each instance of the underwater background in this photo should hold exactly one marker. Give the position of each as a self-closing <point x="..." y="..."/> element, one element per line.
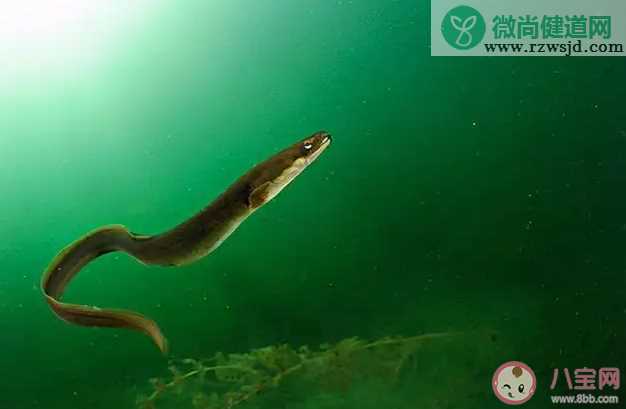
<point x="483" y="197"/>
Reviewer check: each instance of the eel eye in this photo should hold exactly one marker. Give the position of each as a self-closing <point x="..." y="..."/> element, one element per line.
<point x="308" y="146"/>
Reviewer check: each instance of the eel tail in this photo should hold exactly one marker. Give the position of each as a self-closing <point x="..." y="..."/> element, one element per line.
<point x="68" y="263"/>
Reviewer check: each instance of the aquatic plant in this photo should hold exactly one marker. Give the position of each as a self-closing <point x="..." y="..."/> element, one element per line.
<point x="229" y="380"/>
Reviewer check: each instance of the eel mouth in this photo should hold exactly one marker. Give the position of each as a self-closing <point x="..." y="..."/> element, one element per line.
<point x="274" y="186"/>
<point x="326" y="140"/>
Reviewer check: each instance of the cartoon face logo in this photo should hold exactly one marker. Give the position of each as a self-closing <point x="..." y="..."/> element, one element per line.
<point x="514" y="382"/>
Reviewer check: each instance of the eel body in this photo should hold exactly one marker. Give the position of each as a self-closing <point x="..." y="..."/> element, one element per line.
<point x="183" y="244"/>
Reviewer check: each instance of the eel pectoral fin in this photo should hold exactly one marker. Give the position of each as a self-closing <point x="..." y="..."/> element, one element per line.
<point x="96" y="317"/>
<point x="259" y="195"/>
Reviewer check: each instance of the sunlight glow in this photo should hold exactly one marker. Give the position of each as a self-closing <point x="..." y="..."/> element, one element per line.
<point x="46" y="33"/>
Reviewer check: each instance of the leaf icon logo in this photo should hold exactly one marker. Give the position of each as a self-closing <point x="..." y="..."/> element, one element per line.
<point x="463" y="27"/>
<point x="464" y="38"/>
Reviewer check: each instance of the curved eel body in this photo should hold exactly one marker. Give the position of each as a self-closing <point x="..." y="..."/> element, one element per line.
<point x="185" y="243"/>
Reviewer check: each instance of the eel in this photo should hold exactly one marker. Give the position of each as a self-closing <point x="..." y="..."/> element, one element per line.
<point x="183" y="244"/>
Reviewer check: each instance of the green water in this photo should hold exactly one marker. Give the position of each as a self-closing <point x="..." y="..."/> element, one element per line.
<point x="480" y="196"/>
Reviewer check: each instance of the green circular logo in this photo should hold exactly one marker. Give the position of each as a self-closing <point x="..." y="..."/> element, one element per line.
<point x="463" y="27"/>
